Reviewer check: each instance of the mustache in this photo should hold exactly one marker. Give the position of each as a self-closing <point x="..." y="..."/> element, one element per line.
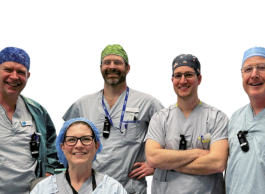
<point x="112" y="71"/>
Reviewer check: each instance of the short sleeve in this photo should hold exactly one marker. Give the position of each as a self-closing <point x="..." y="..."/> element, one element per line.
<point x="220" y="130"/>
<point x="72" y="112"/>
<point x="156" y="130"/>
<point x="156" y="106"/>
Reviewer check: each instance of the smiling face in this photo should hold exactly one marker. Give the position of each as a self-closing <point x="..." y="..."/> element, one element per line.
<point x="13" y="79"/>
<point x="186" y="88"/>
<point x="113" y="69"/>
<point x="254" y="82"/>
<point x="79" y="154"/>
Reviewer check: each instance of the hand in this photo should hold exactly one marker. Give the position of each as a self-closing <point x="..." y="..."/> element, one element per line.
<point x="47" y="174"/>
<point x="141" y="170"/>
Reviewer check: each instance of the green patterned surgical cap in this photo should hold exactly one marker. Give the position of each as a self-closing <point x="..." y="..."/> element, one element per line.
<point x="114" y="49"/>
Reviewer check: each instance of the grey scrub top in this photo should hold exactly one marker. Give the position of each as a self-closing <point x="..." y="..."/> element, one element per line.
<point x="246" y="170"/>
<point x="166" y="127"/>
<point x="121" y="150"/>
<point x="17" y="167"/>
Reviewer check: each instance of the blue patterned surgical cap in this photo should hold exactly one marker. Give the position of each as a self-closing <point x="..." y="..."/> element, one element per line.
<point x="253" y="52"/>
<point x="16" y="55"/>
<point x="60" y="138"/>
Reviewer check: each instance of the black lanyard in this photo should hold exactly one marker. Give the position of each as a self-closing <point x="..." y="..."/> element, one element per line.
<point x="94" y="184"/>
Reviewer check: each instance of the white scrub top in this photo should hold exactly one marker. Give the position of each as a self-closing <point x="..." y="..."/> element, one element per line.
<point x="59" y="185"/>
<point x="246" y="170"/>
<point x="166" y="127"/>
<point x="17" y="167"/>
<point x="121" y="150"/>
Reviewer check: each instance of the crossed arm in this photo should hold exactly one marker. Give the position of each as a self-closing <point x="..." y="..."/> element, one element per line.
<point x="194" y="161"/>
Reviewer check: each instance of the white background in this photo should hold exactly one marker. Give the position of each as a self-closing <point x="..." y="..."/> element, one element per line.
<point x="64" y="40"/>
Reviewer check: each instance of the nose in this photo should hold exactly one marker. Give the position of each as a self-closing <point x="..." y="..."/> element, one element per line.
<point x="14" y="75"/>
<point x="183" y="79"/>
<point x="112" y="65"/>
<point x="254" y="73"/>
<point x="78" y="143"/>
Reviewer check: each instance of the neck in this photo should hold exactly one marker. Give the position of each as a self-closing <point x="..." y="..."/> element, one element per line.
<point x="257" y="105"/>
<point x="9" y="104"/>
<point x="79" y="174"/>
<point x="187" y="105"/>
<point x="112" y="93"/>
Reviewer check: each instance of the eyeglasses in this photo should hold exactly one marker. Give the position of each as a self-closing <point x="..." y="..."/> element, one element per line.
<point x="249" y="69"/>
<point x="187" y="75"/>
<point x="85" y="140"/>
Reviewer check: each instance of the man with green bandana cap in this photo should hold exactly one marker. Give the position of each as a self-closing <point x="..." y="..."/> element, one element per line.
<point x="122" y="116"/>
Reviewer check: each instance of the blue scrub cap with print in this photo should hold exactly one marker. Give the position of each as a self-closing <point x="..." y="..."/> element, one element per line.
<point x="16" y="55"/>
<point x="60" y="138"/>
<point x="253" y="52"/>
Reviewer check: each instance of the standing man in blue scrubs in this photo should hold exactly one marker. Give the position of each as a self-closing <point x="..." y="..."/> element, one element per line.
<point x="246" y="132"/>
<point x="27" y="134"/>
<point x="187" y="142"/>
<point x="122" y="116"/>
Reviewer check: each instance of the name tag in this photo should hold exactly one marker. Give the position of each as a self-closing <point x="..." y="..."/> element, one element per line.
<point x="26" y="123"/>
<point x="132" y="109"/>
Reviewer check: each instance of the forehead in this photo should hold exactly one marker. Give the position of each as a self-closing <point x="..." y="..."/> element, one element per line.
<point x="112" y="57"/>
<point x="78" y="130"/>
<point x="254" y="61"/>
<point x="183" y="69"/>
<point x="11" y="64"/>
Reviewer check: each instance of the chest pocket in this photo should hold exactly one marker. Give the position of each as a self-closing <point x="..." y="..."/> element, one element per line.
<point x="131" y="127"/>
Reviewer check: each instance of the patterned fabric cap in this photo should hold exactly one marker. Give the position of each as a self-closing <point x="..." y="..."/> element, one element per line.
<point x="115" y="49"/>
<point x="253" y="52"/>
<point x="60" y="138"/>
<point x="187" y="60"/>
<point x="16" y="55"/>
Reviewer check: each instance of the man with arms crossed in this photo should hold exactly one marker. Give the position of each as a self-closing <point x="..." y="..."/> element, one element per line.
<point x="122" y="116"/>
<point x="187" y="142"/>
<point x="246" y="132"/>
<point x="24" y="124"/>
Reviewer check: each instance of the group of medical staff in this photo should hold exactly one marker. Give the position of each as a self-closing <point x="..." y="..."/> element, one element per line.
<point x="113" y="138"/>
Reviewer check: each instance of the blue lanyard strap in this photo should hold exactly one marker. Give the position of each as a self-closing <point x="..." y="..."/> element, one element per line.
<point x="123" y="109"/>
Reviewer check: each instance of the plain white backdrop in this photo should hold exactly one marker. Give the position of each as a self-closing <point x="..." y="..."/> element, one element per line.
<point x="64" y="40"/>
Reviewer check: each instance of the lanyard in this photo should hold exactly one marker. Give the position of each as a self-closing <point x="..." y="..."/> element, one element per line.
<point x="123" y="109"/>
<point x="94" y="184"/>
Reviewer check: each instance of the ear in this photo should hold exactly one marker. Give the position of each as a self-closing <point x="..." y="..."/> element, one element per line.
<point x="200" y="79"/>
<point x="28" y="75"/>
<point x="172" y="79"/>
<point x="97" y="146"/>
<point x="62" y="147"/>
<point x="128" y="69"/>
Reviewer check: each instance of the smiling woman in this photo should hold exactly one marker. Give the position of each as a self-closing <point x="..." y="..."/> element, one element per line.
<point x="77" y="145"/>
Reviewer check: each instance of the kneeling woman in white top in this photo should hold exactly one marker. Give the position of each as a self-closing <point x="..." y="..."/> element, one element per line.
<point x="77" y="146"/>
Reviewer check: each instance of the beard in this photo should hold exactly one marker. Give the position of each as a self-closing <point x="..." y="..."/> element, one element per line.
<point x="114" y="81"/>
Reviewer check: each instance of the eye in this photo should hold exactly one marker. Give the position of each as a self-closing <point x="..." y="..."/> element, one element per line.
<point x="71" y="139"/>
<point x="107" y="62"/>
<point x="8" y="70"/>
<point x="247" y="69"/>
<point x="188" y="75"/>
<point x="117" y="62"/>
<point x="261" y="67"/>
<point x="178" y="76"/>
<point x="21" y="73"/>
<point x="87" y="139"/>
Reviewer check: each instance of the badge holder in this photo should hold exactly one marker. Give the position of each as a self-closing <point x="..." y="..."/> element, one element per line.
<point x="34" y="145"/>
<point x="106" y="128"/>
<point x="182" y="143"/>
<point x="243" y="140"/>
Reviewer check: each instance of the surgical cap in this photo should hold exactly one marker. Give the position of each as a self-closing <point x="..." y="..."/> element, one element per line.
<point x="16" y="55"/>
<point x="115" y="49"/>
<point x="60" y="138"/>
<point x="253" y="52"/>
<point x="187" y="60"/>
